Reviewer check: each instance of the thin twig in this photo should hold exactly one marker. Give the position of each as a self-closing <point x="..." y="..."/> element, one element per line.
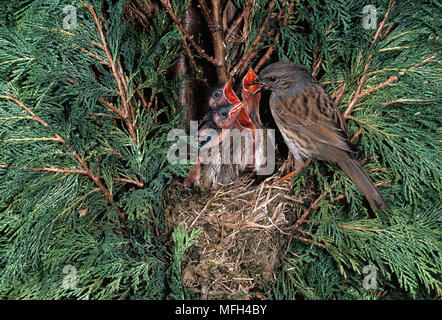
<point x="357" y="134"/>
<point x="95" y="56"/>
<point x="255" y="42"/>
<point x="192" y="61"/>
<point x="237" y="21"/>
<point x="386" y="103"/>
<point x="379" y="86"/>
<point x="166" y="4"/>
<point x="118" y="76"/>
<point x="361" y="82"/>
<point x="79" y="171"/>
<point x="271" y="48"/>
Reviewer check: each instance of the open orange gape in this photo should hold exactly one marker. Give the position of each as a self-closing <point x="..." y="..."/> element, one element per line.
<point x="225" y="113"/>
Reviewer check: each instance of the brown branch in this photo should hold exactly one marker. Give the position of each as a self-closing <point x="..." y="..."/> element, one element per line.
<point x="313" y="206"/>
<point x="237" y="21"/>
<point x="308" y="240"/>
<point x="423" y="62"/>
<point x="339" y="93"/>
<point x="118" y="77"/>
<point x="111" y="106"/>
<point x="78" y="171"/>
<point x="57" y="170"/>
<point x="357" y="134"/>
<point x="218" y="42"/>
<point x="166" y="4"/>
<point x="99" y="184"/>
<point x="379" y="86"/>
<point x="307" y="212"/>
<point x="95" y="56"/>
<point x="21" y="105"/>
<point x="255" y="42"/>
<point x="381" y="25"/>
<point x="192" y="61"/>
<point x="213" y="26"/>
<point x="316" y="63"/>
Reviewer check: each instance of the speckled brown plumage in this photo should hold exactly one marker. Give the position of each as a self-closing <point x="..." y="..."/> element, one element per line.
<point x="311" y="124"/>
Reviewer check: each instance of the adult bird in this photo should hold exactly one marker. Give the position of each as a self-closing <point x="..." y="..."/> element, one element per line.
<point x="310" y="123"/>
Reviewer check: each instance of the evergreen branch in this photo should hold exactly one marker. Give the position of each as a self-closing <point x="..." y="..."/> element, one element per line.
<point x="117" y="75"/>
<point x="342" y="196"/>
<point x="123" y="80"/>
<point x="111" y="106"/>
<point x="339" y="93"/>
<point x="95" y="56"/>
<point x="308" y="241"/>
<point x="357" y="95"/>
<point x="100" y="185"/>
<point x="59" y="139"/>
<point x="166" y="4"/>
<point x="192" y="61"/>
<point x="255" y="42"/>
<point x="422" y="62"/>
<point x="379" y="86"/>
<point x="386" y="103"/>
<point x="357" y="134"/>
<point x="271" y="48"/>
<point x="58" y="170"/>
<point x="381" y="25"/>
<point x="238" y="20"/>
<point x="316" y="63"/>
<point x="78" y="171"/>
<point x="313" y="206"/>
<point x="21" y="105"/>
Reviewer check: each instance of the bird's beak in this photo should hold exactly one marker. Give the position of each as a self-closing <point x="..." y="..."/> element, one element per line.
<point x="249" y="82"/>
<point x="260" y="86"/>
<point x="241" y="116"/>
<point x="229" y="94"/>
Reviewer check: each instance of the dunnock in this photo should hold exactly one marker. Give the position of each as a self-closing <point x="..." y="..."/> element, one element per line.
<point x="310" y="123"/>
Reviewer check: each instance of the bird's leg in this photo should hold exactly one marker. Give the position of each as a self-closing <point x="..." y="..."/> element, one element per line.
<point x="299" y="165"/>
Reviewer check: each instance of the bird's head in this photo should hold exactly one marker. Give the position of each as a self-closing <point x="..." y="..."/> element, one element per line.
<point x="283" y="75"/>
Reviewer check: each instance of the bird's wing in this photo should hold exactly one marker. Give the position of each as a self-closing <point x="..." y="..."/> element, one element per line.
<point x="315" y="117"/>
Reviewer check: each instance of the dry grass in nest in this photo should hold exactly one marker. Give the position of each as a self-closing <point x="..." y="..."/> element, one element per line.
<point x="243" y="226"/>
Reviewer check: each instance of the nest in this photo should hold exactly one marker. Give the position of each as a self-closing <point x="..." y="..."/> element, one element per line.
<point x="243" y="228"/>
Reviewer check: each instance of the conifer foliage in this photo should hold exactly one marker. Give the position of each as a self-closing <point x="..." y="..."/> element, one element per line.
<point x="89" y="90"/>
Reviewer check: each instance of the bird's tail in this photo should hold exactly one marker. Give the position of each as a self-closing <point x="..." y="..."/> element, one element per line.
<point x="352" y="168"/>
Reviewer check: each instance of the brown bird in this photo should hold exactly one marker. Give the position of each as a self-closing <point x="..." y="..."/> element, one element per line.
<point x="310" y="123"/>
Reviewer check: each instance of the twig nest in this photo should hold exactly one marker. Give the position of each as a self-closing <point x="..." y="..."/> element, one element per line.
<point x="243" y="226"/>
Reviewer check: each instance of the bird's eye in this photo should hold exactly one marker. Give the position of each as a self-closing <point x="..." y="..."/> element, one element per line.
<point x="224" y="114"/>
<point x="217" y="94"/>
<point x="272" y="79"/>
